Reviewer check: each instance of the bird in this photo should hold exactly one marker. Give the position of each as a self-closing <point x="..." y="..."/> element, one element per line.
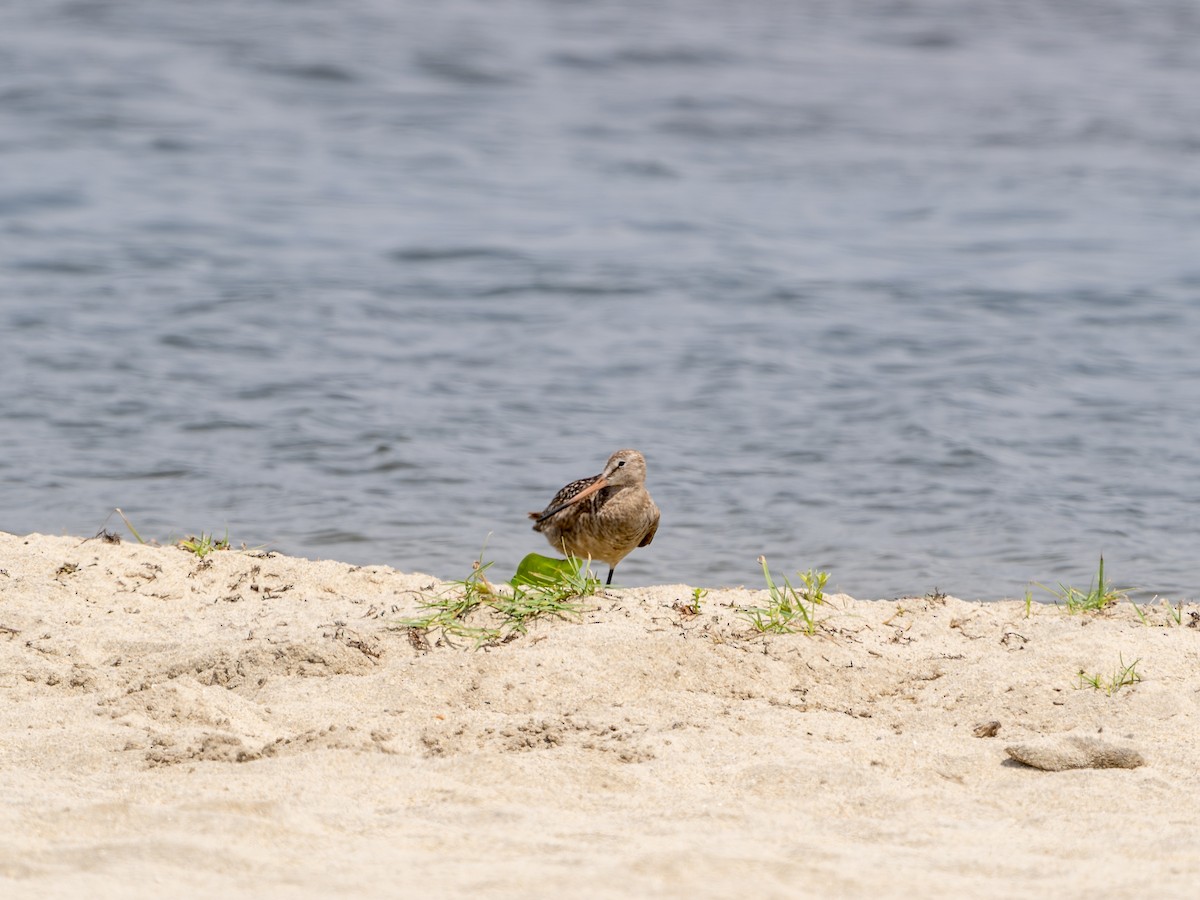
<point x="604" y="517"/>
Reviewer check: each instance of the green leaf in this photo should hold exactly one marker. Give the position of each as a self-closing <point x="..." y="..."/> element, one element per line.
<point x="543" y="571"/>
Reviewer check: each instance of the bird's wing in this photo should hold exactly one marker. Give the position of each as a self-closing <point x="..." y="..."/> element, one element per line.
<point x="564" y="497"/>
<point x="649" y="536"/>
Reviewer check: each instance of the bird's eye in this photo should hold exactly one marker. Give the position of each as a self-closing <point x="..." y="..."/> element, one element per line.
<point x="620" y="463"/>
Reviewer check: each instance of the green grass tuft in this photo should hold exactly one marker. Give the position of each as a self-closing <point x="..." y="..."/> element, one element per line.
<point x="788" y="610"/>
<point x="1174" y="612"/>
<point x="542" y="587"/>
<point x="1099" y="595"/>
<point x="205" y="544"/>
<point x="1122" y="676"/>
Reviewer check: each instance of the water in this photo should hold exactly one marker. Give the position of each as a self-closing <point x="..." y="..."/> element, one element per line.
<point x="909" y="291"/>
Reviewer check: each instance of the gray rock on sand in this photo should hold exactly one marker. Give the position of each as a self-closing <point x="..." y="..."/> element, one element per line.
<point x="1075" y="751"/>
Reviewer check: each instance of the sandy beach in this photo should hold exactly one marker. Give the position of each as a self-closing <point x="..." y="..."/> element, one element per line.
<point x="254" y="725"/>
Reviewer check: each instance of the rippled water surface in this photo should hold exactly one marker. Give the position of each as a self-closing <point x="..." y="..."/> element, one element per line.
<point x="909" y="291"/>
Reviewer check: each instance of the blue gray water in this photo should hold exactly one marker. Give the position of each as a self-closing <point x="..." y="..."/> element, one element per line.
<point x="904" y="290"/>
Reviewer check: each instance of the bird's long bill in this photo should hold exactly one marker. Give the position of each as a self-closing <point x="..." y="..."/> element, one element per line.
<point x="582" y="495"/>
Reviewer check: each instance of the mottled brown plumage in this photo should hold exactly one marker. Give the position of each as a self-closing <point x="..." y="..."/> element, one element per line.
<point x="604" y="517"/>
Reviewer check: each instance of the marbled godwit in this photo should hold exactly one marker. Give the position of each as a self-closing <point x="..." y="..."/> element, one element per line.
<point x="603" y="517"/>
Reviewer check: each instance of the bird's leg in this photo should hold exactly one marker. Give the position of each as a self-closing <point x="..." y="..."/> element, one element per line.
<point x="611" y="569"/>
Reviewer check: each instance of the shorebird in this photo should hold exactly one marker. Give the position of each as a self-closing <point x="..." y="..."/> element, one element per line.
<point x="604" y="517"/>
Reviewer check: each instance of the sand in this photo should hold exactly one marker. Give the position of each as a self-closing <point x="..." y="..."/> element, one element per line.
<point x="254" y="725"/>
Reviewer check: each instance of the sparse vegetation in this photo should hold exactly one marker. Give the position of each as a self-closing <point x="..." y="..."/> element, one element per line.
<point x="1137" y="609"/>
<point x="1122" y="676"/>
<point x="541" y="587"/>
<point x="691" y="609"/>
<point x="1100" y="594"/>
<point x="204" y="545"/>
<point x="814" y="585"/>
<point x="1174" y="612"/>
<point x="128" y="524"/>
<point x="788" y="610"/>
